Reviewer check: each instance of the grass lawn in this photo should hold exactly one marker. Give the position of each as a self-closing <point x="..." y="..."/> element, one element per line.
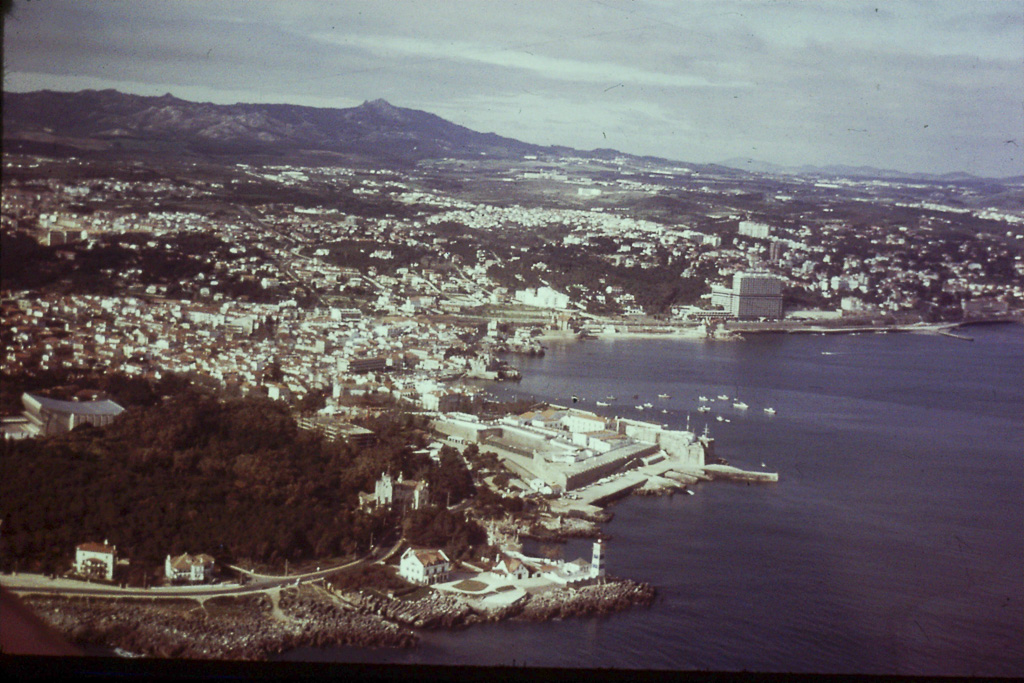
<point x="470" y="585"/>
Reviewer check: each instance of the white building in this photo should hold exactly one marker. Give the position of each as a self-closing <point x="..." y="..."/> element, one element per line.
<point x="413" y="494"/>
<point x="755" y="229"/>
<point x="425" y="567"/>
<point x="512" y="567"/>
<point x="543" y="297"/>
<point x="191" y="568"/>
<point x="96" y="560"/>
<point x="583" y="421"/>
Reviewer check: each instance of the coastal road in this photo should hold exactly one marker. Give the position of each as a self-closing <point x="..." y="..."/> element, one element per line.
<point x="38" y="584"/>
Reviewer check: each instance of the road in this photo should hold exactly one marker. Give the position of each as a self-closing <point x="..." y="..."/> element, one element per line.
<point x="24" y="584"/>
<point x="283" y="265"/>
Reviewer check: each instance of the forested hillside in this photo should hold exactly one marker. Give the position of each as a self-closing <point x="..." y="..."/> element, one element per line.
<point x="235" y="479"/>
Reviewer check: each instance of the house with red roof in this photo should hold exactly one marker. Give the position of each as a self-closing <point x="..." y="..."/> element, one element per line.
<point x="512" y="567"/>
<point x="96" y="560"/>
<point x="425" y="567"/>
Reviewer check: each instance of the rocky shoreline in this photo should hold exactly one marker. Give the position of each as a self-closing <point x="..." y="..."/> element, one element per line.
<point x="234" y="628"/>
<point x="246" y="628"/>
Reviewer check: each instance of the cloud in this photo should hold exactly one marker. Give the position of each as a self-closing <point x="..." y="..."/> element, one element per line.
<point x="539" y="65"/>
<point x="696" y="81"/>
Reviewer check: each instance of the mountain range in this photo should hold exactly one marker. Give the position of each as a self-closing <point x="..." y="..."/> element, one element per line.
<point x="108" y="120"/>
<point x="112" y="122"/>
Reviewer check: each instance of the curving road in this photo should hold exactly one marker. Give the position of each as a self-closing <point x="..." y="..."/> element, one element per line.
<point x="38" y="584"/>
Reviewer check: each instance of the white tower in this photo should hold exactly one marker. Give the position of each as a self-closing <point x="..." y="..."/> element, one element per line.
<point x="383" y="491"/>
<point x="597" y="562"/>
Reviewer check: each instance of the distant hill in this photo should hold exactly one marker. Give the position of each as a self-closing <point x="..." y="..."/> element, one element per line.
<point x="844" y="171"/>
<point x="111" y="120"/>
<point x="114" y="123"/>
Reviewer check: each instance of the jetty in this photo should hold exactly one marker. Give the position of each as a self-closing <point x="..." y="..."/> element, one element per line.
<point x="954" y="335"/>
<point x="730" y="473"/>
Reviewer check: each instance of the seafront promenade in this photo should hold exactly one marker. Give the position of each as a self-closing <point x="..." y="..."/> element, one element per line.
<point x="612" y="328"/>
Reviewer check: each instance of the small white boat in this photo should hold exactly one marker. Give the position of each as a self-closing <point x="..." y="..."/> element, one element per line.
<point x="689" y="492"/>
<point x="740" y="405"/>
<point x="770" y="411"/>
<point x="720" y="418"/>
<point x="648" y="405"/>
<point x="663" y="410"/>
<point x="664" y="396"/>
<point x="703" y="398"/>
<point x="601" y="403"/>
<point x="723" y="397"/>
<point x="703" y="409"/>
<point x="609" y="397"/>
<point x="639" y="407"/>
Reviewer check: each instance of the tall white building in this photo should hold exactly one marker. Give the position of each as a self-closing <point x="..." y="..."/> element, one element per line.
<point x="753" y="296"/>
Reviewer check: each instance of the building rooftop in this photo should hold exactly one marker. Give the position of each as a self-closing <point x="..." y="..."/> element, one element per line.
<point x="93" y="547"/>
<point x="429" y="558"/>
<point x="105" y="407"/>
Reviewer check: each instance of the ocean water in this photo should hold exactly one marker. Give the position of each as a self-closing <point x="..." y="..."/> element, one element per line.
<point x="893" y="542"/>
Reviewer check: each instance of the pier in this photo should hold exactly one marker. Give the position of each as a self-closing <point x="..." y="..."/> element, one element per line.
<point x="728" y="472"/>
<point x="954" y="335"/>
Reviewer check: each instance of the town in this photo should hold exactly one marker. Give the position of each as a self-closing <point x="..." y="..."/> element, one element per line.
<point x="355" y="318"/>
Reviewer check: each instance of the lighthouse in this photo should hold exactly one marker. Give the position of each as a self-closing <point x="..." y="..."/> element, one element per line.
<point x="597" y="562"/>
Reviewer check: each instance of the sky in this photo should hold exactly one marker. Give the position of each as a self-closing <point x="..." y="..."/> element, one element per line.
<point x="934" y="86"/>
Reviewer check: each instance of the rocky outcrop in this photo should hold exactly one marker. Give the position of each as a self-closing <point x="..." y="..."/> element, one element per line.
<point x="248" y="628"/>
<point x="239" y="628"/>
<point x="593" y="600"/>
<point x="436" y="610"/>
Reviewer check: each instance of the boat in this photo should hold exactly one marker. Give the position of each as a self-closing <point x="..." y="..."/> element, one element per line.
<point x="601" y="403"/>
<point x="739" y="405"/>
<point x="703" y="409"/>
<point x="723" y="397"/>
<point x="770" y="411"/>
<point x="689" y="492"/>
<point x="664" y="396"/>
<point x="639" y="407"/>
<point x="648" y="405"/>
<point x="609" y="397"/>
<point x="663" y="410"/>
<point x="720" y="418"/>
<point x="703" y="398"/>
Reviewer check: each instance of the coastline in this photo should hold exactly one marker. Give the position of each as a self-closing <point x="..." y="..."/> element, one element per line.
<point x="692" y="334"/>
<point x="255" y="628"/>
<point x="734" y="330"/>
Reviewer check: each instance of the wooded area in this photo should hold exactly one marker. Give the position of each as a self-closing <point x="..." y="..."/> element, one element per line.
<point x="235" y="479"/>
